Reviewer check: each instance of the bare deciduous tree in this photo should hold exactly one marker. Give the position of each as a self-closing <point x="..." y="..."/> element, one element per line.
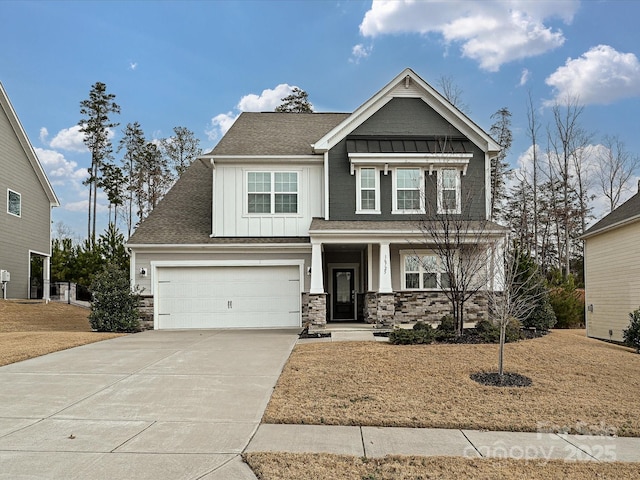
<point x="616" y="166"/>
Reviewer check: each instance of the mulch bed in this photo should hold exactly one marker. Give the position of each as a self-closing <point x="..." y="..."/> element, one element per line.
<point x="493" y="379"/>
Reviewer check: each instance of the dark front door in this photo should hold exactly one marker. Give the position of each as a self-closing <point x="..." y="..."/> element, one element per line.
<point x="343" y="294"/>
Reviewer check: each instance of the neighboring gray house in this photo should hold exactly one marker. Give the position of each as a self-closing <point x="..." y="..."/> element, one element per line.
<point x="612" y="271"/>
<point x="25" y="215"/>
<point x="296" y="218"/>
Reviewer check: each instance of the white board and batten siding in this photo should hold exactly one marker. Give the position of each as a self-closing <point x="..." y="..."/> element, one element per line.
<point x="225" y="296"/>
<point x="612" y="278"/>
<point x="230" y="202"/>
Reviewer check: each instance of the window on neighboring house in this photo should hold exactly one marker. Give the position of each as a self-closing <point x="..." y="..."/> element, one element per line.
<point x="407" y="192"/>
<point x="368" y="196"/>
<point x="423" y="272"/>
<point x="449" y="191"/>
<point x="14" y="203"/>
<point x="272" y="192"/>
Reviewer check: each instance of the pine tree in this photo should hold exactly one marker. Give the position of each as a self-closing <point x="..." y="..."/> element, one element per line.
<point x="96" y="127"/>
<point x="297" y="102"/>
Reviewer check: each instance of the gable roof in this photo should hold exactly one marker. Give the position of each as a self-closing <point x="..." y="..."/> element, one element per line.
<point x="19" y="132"/>
<point x="626" y="213"/>
<point x="408" y="84"/>
<point x="275" y="133"/>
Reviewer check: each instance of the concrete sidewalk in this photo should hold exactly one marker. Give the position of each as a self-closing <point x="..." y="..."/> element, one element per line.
<point x="382" y="441"/>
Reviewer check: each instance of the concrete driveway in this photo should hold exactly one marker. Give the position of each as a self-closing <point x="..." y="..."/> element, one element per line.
<point x="157" y="404"/>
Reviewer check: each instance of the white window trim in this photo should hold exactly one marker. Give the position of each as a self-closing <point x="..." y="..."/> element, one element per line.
<point x="420" y="253"/>
<point x="441" y="209"/>
<point x="9" y="192"/>
<point x="272" y="193"/>
<point x="359" y="209"/>
<point x="394" y="188"/>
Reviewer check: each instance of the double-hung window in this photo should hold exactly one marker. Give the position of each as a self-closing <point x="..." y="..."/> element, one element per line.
<point x="423" y="271"/>
<point x="272" y="192"/>
<point x="14" y="203"/>
<point x="407" y="190"/>
<point x="449" y="191"/>
<point x="368" y="191"/>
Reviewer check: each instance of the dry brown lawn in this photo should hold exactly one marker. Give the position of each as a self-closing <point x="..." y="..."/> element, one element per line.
<point x="29" y="329"/>
<point x="580" y="385"/>
<point x="291" y="466"/>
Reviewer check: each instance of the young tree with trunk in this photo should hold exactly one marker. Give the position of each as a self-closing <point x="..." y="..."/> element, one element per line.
<point x="532" y="132"/>
<point x="96" y="126"/>
<point x="463" y="246"/>
<point x="516" y="297"/>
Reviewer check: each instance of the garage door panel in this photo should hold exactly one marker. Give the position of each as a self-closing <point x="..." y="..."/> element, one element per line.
<point x="228" y="297"/>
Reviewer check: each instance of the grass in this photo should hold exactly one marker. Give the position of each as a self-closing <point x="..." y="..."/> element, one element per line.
<point x="580" y="385"/>
<point x="291" y="466"/>
<point x="29" y="329"/>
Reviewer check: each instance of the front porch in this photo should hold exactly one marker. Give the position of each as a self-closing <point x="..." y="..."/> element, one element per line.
<point x="368" y="284"/>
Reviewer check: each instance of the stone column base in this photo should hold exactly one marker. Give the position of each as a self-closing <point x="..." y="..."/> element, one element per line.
<point x="317" y="309"/>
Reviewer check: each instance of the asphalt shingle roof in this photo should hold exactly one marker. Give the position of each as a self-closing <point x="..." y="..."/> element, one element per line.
<point x="183" y="216"/>
<point x="627" y="211"/>
<point x="271" y="133"/>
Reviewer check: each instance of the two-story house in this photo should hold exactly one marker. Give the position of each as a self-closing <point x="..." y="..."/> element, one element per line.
<point x="296" y="218"/>
<point x="25" y="217"/>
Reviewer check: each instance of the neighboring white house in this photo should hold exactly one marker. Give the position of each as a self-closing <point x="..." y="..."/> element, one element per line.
<point x="612" y="271"/>
<point x="296" y="218"/>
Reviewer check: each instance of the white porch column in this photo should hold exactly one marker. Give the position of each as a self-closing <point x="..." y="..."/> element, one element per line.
<point x="385" y="269"/>
<point x="369" y="268"/>
<point x="317" y="277"/>
<point x="46" y="278"/>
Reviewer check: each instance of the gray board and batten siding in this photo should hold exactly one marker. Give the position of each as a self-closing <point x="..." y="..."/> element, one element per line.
<point x="411" y="124"/>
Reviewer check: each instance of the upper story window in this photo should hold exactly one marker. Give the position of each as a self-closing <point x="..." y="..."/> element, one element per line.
<point x="449" y="191"/>
<point x="272" y="192"/>
<point x="423" y="271"/>
<point x="408" y="194"/>
<point x="14" y="203"/>
<point x="368" y="191"/>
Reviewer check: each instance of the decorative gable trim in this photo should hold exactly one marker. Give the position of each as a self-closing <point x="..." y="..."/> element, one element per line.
<point x="21" y="135"/>
<point x="408" y="84"/>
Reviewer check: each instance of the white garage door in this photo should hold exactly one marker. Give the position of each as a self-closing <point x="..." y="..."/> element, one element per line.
<point x="223" y="297"/>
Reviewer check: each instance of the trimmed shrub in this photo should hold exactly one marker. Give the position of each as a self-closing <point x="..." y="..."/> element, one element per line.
<point x="631" y="335"/>
<point x="420" y="325"/>
<point x="403" y="336"/>
<point x="489" y="332"/>
<point x="446" y="330"/>
<point x="114" y="305"/>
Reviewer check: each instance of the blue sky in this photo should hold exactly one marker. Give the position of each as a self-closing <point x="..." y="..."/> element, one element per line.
<point x="197" y="64"/>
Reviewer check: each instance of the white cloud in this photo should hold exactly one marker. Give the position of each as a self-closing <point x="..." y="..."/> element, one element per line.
<point x="490" y="32"/>
<point x="58" y="167"/>
<point x="220" y="124"/>
<point x="524" y="77"/>
<point x="133" y="65"/>
<point x="600" y="76"/>
<point x="69" y="139"/>
<point x="44" y="135"/>
<point x="79" y="206"/>
<point x="267" y="101"/>
<point x="360" y="51"/>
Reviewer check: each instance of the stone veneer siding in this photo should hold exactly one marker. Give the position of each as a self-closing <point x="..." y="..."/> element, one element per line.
<point x="316" y="309"/>
<point x="145" y="312"/>
<point x="432" y="306"/>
